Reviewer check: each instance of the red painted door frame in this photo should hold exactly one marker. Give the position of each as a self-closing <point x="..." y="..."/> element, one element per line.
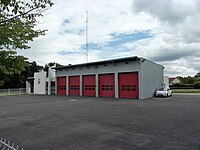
<point x="89" y="85"/>
<point x="107" y="85"/>
<point x="74" y="85"/>
<point x="128" y="85"/>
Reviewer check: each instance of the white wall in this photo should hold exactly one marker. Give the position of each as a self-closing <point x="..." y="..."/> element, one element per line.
<point x="132" y="66"/>
<point x="52" y="76"/>
<point x="40" y="83"/>
<point x="52" y="72"/>
<point x="28" y="87"/>
<point x="151" y="78"/>
<point x="166" y="81"/>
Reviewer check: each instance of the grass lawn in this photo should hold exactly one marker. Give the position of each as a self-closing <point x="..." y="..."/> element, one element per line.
<point x="12" y="93"/>
<point x="186" y="90"/>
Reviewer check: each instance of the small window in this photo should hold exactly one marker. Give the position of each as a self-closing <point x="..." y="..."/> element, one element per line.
<point x="38" y="81"/>
<point x="128" y="87"/>
<point x="123" y="87"/>
<point x="133" y="88"/>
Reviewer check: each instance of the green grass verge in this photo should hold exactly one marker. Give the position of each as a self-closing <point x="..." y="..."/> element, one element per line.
<point x="186" y="90"/>
<point x="6" y="94"/>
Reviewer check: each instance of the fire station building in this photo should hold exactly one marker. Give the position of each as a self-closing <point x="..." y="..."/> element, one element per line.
<point x="131" y="77"/>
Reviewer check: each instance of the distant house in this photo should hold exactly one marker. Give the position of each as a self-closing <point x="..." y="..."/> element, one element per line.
<point x="173" y="81"/>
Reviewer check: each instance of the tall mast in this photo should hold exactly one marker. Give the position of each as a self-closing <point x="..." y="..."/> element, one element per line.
<point x="86" y="41"/>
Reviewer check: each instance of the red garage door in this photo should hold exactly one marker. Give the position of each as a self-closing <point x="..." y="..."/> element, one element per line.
<point x="61" y="86"/>
<point x="128" y="85"/>
<point x="106" y="85"/>
<point x="89" y="85"/>
<point x="74" y="85"/>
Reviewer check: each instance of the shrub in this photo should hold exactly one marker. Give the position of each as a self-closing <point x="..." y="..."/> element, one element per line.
<point x="197" y="85"/>
<point x="181" y="86"/>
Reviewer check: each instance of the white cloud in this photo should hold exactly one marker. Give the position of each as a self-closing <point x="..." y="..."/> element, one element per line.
<point x="171" y="11"/>
<point x="177" y="39"/>
<point x="173" y="24"/>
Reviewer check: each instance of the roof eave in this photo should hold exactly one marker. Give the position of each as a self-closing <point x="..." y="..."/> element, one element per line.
<point x="99" y="62"/>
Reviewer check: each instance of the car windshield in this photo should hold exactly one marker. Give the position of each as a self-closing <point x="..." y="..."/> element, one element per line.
<point x="161" y="89"/>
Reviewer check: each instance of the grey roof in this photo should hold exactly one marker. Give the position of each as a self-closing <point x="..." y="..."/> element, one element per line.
<point x="134" y="58"/>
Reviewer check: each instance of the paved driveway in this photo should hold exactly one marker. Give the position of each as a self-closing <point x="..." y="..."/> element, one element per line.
<point x="67" y="123"/>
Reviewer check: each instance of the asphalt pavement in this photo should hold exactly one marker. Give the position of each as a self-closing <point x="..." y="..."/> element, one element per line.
<point x="37" y="122"/>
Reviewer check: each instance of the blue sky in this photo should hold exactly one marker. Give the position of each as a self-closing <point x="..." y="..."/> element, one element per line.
<point x="161" y="31"/>
<point x="119" y="39"/>
<point x="123" y="38"/>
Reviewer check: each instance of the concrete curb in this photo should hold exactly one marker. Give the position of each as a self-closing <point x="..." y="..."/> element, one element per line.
<point x="186" y="93"/>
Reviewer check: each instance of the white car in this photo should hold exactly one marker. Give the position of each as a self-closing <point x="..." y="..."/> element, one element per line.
<point x="164" y="92"/>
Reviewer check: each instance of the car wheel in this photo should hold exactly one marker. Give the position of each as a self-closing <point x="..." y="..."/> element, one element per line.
<point x="167" y="95"/>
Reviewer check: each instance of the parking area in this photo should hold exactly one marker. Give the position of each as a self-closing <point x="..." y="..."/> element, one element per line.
<point x="66" y="123"/>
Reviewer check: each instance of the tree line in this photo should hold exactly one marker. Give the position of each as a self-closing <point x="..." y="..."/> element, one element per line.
<point x="19" y="80"/>
<point x="188" y="82"/>
<point x="18" y="21"/>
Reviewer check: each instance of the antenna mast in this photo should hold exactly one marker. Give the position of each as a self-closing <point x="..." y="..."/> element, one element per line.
<point x="86" y="41"/>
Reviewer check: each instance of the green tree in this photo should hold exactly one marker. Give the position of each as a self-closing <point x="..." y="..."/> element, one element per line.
<point x="10" y="64"/>
<point x="188" y="80"/>
<point x="18" y="20"/>
<point x="19" y="80"/>
<point x="197" y="85"/>
<point x="50" y="65"/>
<point x="32" y="67"/>
<point x="197" y="76"/>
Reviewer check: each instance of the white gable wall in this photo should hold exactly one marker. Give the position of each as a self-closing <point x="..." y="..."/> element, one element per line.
<point x="151" y="78"/>
<point x="40" y="83"/>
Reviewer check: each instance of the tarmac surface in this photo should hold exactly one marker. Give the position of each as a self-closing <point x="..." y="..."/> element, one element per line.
<point x="86" y="123"/>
